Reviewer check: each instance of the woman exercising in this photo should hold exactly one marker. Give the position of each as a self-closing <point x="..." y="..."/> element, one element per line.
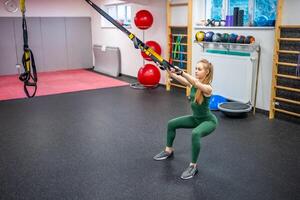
<point x="202" y="120"/>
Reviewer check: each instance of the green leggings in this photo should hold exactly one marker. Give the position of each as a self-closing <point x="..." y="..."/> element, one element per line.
<point x="201" y="128"/>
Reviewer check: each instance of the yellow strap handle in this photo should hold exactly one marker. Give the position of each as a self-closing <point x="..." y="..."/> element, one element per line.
<point x="27" y="61"/>
<point x="149" y="51"/>
<point x="131" y="36"/>
<point x="22" y="6"/>
<point x="157" y="56"/>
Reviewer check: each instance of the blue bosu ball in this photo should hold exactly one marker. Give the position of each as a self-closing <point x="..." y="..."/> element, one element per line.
<point x="215" y="100"/>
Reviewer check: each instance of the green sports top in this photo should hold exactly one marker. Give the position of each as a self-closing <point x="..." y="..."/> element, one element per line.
<point x="199" y="110"/>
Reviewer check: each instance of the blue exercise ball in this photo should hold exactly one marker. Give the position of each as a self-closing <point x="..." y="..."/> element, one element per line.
<point x="215" y="100"/>
<point x="208" y="36"/>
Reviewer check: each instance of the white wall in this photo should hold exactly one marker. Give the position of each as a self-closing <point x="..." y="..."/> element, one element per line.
<point x="130" y="57"/>
<point x="291" y="14"/>
<point x="51" y="8"/>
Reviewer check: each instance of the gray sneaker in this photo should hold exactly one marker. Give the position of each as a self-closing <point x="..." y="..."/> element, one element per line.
<point x="190" y="172"/>
<point x="163" y="155"/>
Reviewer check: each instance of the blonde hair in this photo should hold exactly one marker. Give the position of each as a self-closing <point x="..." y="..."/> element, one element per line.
<point x="207" y="80"/>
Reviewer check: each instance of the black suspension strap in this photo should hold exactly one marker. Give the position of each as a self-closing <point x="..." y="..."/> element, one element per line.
<point x="138" y="44"/>
<point x="29" y="77"/>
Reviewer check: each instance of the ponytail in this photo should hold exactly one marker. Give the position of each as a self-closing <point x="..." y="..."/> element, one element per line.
<point x="207" y="80"/>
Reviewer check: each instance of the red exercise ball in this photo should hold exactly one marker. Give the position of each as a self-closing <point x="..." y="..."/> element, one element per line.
<point x="149" y="75"/>
<point x="143" y="19"/>
<point x="155" y="46"/>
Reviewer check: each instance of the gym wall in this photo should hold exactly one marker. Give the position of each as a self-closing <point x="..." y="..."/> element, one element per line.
<point x="131" y="59"/>
<point x="59" y="35"/>
<point x="58" y="43"/>
<point x="51" y="8"/>
<point x="290" y="16"/>
<point x="265" y="36"/>
<point x="266" y="40"/>
<point x="290" y="12"/>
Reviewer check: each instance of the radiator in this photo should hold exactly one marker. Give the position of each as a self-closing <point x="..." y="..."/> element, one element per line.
<point x="233" y="76"/>
<point x="107" y="60"/>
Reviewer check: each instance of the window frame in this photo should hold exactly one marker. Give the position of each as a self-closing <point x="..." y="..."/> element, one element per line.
<point x="226" y="9"/>
<point x="106" y="24"/>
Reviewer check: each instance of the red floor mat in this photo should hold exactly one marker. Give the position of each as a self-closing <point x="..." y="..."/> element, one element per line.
<point x="56" y="83"/>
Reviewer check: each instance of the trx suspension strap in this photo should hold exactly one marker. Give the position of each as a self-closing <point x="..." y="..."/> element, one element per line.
<point x="138" y="44"/>
<point x="28" y="77"/>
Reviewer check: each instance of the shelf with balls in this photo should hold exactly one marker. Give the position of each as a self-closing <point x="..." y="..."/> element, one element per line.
<point x="226" y="40"/>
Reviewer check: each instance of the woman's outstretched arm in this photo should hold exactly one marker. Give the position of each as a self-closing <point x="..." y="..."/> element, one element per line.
<point x="179" y="78"/>
<point x="205" y="88"/>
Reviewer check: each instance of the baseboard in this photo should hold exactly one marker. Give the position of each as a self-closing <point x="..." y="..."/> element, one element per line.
<point x="262" y="111"/>
<point x="128" y="76"/>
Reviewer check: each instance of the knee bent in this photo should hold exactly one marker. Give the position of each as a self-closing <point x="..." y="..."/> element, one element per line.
<point x="172" y="124"/>
<point x="195" y="135"/>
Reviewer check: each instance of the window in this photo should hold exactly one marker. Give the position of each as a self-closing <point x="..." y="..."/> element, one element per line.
<point x="265" y="9"/>
<point x="214" y="9"/>
<point x="257" y="12"/>
<point x="121" y="13"/>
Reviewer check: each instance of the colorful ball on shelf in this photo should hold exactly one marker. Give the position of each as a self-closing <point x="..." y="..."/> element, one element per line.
<point x="240" y="39"/>
<point x="217" y="37"/>
<point x="233" y="37"/>
<point x="149" y="75"/>
<point x="208" y="36"/>
<point x="249" y="39"/>
<point x="200" y="36"/>
<point x="143" y="19"/>
<point x="153" y="45"/>
<point x="225" y="37"/>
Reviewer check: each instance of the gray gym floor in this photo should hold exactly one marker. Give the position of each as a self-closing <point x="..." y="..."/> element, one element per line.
<point x="99" y="144"/>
